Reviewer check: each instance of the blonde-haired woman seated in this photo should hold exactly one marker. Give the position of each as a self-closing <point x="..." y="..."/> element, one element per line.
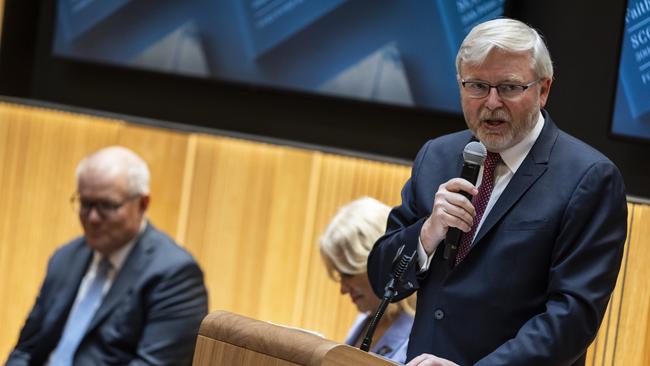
<point x="344" y="247"/>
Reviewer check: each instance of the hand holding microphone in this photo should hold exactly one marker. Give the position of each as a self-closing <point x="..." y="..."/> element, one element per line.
<point x="453" y="212"/>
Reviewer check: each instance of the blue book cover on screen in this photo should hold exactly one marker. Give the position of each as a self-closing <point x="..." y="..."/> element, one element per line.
<point x="81" y="15"/>
<point x="632" y="107"/>
<point x="269" y="22"/>
<point x="460" y="16"/>
<point x="635" y="57"/>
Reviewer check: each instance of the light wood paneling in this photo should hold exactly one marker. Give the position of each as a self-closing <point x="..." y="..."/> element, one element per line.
<point x="342" y="179"/>
<point x="632" y="336"/>
<point x="603" y="349"/>
<point x="246" y="222"/>
<point x="623" y="338"/>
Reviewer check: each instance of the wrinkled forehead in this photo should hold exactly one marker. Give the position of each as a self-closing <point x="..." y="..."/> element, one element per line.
<point x="496" y="53"/>
<point x="499" y="64"/>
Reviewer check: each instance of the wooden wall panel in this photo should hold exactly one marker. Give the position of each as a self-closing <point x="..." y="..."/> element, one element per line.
<point x="624" y="337"/>
<point x="631" y="339"/>
<point x="603" y="349"/>
<point x="246" y="220"/>
<point x="342" y="179"/>
<point x="291" y="206"/>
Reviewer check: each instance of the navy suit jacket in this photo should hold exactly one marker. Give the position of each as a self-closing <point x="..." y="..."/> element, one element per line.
<point x="535" y="285"/>
<point x="150" y="316"/>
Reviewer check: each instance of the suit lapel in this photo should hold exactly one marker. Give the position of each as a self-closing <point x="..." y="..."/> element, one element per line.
<point x="75" y="270"/>
<point x="533" y="166"/>
<point x="126" y="278"/>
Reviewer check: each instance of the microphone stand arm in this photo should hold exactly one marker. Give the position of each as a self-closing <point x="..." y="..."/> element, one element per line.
<point x="389" y="295"/>
<point x="400" y="265"/>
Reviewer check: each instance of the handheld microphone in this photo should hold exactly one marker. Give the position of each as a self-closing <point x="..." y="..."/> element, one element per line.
<point x="474" y="155"/>
<point x="401" y="263"/>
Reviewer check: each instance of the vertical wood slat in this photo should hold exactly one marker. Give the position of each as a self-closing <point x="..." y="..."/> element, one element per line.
<point x="603" y="349"/>
<point x="251" y="213"/>
<point x="246" y="219"/>
<point x="186" y="190"/>
<point x="632" y="338"/>
<point x="623" y="338"/>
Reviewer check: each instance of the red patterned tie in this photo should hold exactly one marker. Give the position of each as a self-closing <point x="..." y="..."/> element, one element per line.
<point x="479" y="201"/>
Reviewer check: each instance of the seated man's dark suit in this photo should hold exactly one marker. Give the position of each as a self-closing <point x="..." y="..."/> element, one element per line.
<point x="535" y="285"/>
<point x="150" y="316"/>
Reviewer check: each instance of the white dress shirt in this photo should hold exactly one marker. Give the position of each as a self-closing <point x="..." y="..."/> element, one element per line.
<point x="116" y="259"/>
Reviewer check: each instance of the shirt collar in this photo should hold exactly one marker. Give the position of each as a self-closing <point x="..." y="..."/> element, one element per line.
<point x="513" y="156"/>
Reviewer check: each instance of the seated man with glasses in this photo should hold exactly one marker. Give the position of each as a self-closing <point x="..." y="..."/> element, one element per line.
<point x="541" y="240"/>
<point x="122" y="294"/>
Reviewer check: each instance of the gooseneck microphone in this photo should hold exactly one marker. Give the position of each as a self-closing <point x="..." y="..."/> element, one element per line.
<point x="474" y="155"/>
<point x="401" y="263"/>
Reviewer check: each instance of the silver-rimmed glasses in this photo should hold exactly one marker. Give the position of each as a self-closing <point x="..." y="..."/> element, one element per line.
<point x="481" y="89"/>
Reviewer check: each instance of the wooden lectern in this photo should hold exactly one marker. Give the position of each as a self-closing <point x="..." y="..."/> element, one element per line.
<point x="230" y="339"/>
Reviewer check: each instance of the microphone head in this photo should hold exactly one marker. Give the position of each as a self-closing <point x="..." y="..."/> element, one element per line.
<point x="474" y="153"/>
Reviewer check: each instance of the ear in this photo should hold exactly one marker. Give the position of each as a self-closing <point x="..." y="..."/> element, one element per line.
<point x="144" y="202"/>
<point x="544" y="90"/>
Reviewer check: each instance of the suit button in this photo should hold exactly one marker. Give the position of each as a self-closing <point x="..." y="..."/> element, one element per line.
<point x="438" y="314"/>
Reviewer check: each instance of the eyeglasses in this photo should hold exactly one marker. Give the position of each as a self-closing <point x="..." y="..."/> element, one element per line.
<point x="103" y="207"/>
<point x="481" y="89"/>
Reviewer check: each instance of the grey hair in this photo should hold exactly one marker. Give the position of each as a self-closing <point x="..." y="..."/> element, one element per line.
<point x="348" y="239"/>
<point x="117" y="160"/>
<point x="508" y="35"/>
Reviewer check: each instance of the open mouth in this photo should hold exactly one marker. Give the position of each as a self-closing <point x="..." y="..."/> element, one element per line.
<point x="493" y="123"/>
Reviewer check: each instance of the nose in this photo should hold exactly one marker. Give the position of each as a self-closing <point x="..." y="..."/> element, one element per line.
<point x="493" y="101"/>
<point x="93" y="215"/>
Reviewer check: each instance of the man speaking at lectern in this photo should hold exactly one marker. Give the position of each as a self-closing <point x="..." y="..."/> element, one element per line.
<point x="542" y="238"/>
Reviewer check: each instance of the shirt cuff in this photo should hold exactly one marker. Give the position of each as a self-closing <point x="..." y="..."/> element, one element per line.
<point x="424" y="260"/>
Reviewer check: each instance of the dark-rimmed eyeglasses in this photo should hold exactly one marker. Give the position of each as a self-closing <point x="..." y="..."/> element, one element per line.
<point x="481" y="89"/>
<point x="104" y="208"/>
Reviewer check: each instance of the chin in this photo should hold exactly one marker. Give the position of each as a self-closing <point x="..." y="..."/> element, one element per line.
<point x="495" y="143"/>
<point x="362" y="309"/>
<point x="99" y="245"/>
<point x="96" y="246"/>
